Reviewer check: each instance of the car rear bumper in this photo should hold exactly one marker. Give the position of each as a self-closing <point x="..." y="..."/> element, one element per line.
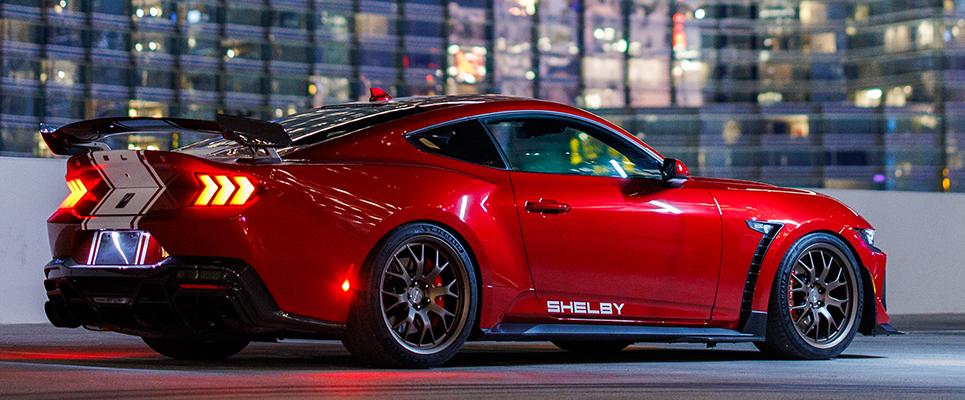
<point x="177" y="297"/>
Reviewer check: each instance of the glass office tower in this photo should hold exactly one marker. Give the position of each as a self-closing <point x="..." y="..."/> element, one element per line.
<point x="816" y="93"/>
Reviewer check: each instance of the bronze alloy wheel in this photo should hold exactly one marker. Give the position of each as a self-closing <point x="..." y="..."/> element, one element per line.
<point x="816" y="301"/>
<point x="417" y="299"/>
<point x="424" y="294"/>
<point x="821" y="295"/>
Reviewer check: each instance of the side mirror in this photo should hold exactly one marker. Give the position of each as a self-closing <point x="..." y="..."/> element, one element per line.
<point x="674" y="172"/>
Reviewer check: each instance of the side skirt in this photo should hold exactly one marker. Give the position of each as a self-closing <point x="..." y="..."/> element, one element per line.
<point x="634" y="333"/>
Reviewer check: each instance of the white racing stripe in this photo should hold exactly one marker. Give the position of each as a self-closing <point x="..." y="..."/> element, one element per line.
<point x="133" y="188"/>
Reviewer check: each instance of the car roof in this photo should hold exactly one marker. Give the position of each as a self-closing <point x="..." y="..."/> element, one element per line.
<point x="443" y="100"/>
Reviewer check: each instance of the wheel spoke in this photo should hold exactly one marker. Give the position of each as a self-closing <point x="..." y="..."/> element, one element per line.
<point x="446" y="290"/>
<point x="420" y="261"/>
<point x="831" y="322"/>
<point x="399" y="300"/>
<point x="410" y="324"/>
<point x="424" y="321"/>
<point x="436" y="270"/>
<point x="836" y="283"/>
<point x="404" y="275"/>
<point x="825" y="267"/>
<point x="800" y="318"/>
<point x="405" y="323"/>
<point x="810" y="268"/>
<point x="833" y="302"/>
<point x="428" y="323"/>
<point x="442" y="313"/>
<point x="817" y="323"/>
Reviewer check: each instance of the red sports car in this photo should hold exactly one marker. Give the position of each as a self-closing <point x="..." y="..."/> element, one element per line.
<point x="406" y="227"/>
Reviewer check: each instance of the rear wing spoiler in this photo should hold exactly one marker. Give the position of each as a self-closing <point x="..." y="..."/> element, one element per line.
<point x="84" y="136"/>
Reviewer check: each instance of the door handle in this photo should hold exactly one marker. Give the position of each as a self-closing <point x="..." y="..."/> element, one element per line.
<point x="547" y="206"/>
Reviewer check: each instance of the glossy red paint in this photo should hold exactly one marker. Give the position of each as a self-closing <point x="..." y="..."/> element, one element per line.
<point x="632" y="241"/>
<point x="670" y="255"/>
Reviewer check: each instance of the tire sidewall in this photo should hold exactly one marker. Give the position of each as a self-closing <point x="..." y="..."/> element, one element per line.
<point x="793" y="343"/>
<point x="377" y="345"/>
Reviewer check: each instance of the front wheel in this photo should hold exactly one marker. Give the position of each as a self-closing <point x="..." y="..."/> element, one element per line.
<point x="816" y="300"/>
<point x="416" y="304"/>
<point x="195" y="349"/>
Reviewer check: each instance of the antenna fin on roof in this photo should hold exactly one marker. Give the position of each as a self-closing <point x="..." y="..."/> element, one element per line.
<point x="377" y="94"/>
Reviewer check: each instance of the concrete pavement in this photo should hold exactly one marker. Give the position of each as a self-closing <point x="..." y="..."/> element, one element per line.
<point x="41" y="362"/>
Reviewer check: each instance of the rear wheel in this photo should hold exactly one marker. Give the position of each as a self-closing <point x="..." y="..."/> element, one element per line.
<point x="816" y="300"/>
<point x="416" y="303"/>
<point x="197" y="349"/>
<point x="585" y="347"/>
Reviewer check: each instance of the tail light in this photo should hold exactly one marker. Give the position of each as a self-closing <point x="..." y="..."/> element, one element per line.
<point x="77" y="192"/>
<point x="224" y="190"/>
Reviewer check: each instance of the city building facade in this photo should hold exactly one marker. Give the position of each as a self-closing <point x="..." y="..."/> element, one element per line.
<point x="816" y="93"/>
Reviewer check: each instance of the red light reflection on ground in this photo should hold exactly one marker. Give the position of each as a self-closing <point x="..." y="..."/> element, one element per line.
<point x="69" y="355"/>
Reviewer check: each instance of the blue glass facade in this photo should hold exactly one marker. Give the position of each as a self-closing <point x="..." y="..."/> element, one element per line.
<point x="819" y="93"/>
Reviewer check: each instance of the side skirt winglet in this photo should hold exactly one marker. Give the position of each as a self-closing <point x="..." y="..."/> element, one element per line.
<point x="522" y="331"/>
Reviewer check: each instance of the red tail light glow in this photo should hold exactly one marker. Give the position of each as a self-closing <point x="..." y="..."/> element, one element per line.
<point x="77" y="192"/>
<point x="209" y="190"/>
<point x="227" y="188"/>
<point x="221" y="190"/>
<point x="245" y="189"/>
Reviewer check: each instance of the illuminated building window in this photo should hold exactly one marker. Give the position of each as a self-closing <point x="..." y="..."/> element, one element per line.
<point x="648" y="69"/>
<point x="813" y="12"/>
<point x="467" y="50"/>
<point x="143" y="108"/>
<point x="374" y="25"/>
<point x="897" y="38"/>
<point x="328" y="90"/>
<point x="513" y="58"/>
<point x="559" y="53"/>
<point x="868" y="97"/>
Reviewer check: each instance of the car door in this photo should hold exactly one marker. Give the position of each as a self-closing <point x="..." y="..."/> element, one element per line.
<point x="605" y="238"/>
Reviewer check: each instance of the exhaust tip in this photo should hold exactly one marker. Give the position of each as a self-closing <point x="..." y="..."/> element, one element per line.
<point x="59" y="315"/>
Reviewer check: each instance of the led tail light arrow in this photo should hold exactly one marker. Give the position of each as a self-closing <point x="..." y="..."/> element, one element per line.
<point x="221" y="190"/>
<point x="77" y="192"/>
<point x="227" y="188"/>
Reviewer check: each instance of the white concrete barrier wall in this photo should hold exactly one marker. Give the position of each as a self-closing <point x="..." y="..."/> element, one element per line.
<point x="924" y="237"/>
<point x="923" y="234"/>
<point x="30" y="189"/>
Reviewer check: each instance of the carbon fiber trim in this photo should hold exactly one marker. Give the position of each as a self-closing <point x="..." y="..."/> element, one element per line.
<point x="754" y="270"/>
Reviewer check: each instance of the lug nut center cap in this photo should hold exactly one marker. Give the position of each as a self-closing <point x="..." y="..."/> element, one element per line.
<point x="814" y="297"/>
<point x="414" y="294"/>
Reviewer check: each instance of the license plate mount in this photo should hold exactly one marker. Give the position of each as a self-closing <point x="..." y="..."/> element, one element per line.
<point x="123" y="248"/>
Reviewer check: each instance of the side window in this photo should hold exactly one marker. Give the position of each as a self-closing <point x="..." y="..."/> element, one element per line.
<point x="563" y="146"/>
<point x="467" y="141"/>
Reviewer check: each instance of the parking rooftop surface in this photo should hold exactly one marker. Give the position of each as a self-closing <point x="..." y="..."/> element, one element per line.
<point x="42" y="362"/>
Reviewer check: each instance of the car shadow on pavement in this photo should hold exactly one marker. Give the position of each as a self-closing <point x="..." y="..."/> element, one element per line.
<point x="631" y="355"/>
<point x="328" y="356"/>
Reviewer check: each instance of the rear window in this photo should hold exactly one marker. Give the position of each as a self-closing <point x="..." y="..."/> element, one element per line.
<point x="323" y="123"/>
<point x="328" y="122"/>
<point x="467" y="141"/>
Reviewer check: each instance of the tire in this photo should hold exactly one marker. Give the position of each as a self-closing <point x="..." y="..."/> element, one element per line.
<point x="817" y="272"/>
<point x="417" y="300"/>
<point x="591" y="348"/>
<point x="197" y="349"/>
